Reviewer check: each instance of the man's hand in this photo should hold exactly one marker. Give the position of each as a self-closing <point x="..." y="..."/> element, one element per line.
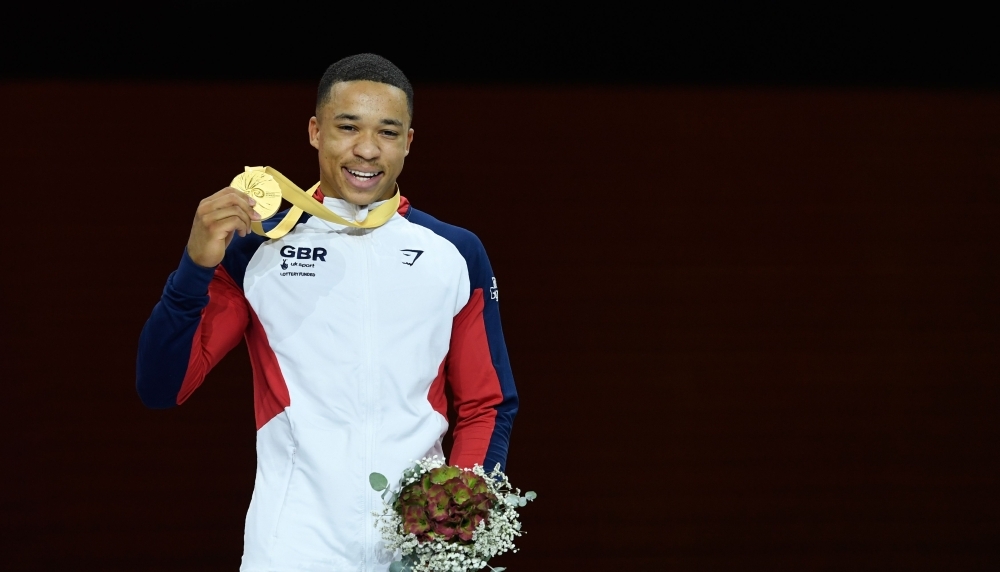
<point x="217" y="218"/>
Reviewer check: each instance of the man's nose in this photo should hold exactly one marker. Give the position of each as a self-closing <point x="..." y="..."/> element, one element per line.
<point x="367" y="148"/>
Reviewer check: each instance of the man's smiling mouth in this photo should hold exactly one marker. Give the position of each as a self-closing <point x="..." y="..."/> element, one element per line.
<point x="362" y="179"/>
<point x="364" y="174"/>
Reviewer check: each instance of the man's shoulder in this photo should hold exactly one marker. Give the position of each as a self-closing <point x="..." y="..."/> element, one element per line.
<point x="464" y="240"/>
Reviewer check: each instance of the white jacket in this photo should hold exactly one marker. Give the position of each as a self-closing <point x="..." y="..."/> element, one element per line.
<point x="353" y="335"/>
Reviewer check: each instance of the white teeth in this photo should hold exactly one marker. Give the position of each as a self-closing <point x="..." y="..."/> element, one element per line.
<point x="361" y="174"/>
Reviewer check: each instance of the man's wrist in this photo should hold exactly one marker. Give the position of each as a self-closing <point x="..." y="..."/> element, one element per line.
<point x="192" y="278"/>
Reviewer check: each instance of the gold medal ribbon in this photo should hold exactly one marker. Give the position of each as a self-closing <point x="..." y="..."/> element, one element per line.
<point x="267" y="187"/>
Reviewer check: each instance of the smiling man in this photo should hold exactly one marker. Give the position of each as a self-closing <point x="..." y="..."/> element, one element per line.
<point x="353" y="334"/>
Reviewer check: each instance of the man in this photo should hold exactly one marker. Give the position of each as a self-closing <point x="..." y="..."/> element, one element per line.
<point x="353" y="334"/>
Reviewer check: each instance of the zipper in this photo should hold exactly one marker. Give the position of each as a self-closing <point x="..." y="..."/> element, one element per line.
<point x="369" y="393"/>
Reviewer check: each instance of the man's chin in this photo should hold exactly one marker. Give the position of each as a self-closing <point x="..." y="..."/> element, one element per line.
<point x="361" y="197"/>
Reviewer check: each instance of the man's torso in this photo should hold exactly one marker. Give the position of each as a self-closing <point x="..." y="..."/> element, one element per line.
<point x="359" y="324"/>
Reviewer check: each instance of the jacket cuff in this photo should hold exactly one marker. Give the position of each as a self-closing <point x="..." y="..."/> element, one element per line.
<point x="190" y="278"/>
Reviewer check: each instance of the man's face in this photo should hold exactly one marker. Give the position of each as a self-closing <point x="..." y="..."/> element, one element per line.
<point x="362" y="134"/>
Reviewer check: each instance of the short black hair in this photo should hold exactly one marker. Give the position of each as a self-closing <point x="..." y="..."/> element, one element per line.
<point x="370" y="67"/>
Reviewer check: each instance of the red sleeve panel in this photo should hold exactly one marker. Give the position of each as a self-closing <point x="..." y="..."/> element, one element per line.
<point x="224" y="318"/>
<point x="227" y="318"/>
<point x="223" y="323"/>
<point x="201" y="315"/>
<point x="474" y="384"/>
<point x="478" y="368"/>
<point x="270" y="394"/>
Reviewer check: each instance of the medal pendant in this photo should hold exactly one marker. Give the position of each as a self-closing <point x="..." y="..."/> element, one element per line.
<point x="263" y="188"/>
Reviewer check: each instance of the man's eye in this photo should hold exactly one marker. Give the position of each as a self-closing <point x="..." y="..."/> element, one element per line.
<point x="390" y="133"/>
<point x="348" y="128"/>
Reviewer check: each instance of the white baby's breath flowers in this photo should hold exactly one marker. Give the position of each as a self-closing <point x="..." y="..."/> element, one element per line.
<point x="493" y="536"/>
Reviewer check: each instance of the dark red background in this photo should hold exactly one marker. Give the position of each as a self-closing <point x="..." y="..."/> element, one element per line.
<point x="751" y="329"/>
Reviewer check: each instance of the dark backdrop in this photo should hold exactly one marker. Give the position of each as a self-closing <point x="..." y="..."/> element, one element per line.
<point x="678" y="43"/>
<point x="752" y="329"/>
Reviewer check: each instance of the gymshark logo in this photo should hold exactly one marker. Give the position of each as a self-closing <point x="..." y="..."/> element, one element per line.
<point x="414" y="254"/>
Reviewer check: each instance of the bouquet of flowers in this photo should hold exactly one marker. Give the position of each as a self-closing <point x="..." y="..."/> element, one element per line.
<point x="447" y="519"/>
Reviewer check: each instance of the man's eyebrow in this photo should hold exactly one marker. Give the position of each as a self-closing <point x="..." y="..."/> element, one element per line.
<point x="351" y="117"/>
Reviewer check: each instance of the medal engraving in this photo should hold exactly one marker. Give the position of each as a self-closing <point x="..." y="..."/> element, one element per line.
<point x="263" y="188"/>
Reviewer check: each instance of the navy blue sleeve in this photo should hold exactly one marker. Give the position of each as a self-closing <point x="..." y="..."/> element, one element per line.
<point x="169" y="338"/>
<point x="481" y="276"/>
<point x="166" y="339"/>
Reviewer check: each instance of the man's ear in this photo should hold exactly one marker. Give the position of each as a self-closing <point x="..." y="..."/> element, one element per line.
<point x="314" y="132"/>
<point x="409" y="140"/>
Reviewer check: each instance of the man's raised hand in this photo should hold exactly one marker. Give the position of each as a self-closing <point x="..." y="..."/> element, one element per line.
<point x="218" y="217"/>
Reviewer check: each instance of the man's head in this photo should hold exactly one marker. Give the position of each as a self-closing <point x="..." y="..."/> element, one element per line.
<point x="361" y="129"/>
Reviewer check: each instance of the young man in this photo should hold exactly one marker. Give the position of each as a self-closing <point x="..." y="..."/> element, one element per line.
<point x="352" y="353"/>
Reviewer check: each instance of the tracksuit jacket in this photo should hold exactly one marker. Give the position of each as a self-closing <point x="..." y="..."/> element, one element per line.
<point x="353" y="335"/>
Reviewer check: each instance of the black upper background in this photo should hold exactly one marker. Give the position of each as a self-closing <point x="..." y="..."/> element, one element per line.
<point x="837" y="46"/>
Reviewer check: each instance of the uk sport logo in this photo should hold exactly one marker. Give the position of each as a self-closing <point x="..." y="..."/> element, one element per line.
<point x="494" y="292"/>
<point x="303" y="257"/>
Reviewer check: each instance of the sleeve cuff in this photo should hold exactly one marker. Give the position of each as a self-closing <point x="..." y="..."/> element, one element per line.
<point x="192" y="279"/>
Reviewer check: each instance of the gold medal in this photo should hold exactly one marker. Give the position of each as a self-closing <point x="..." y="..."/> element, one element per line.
<point x="262" y="187"/>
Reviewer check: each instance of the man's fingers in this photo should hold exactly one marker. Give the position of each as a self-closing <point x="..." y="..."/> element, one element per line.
<point x="244" y="199"/>
<point x="217" y="219"/>
<point x="212" y="219"/>
<point x="221" y="229"/>
<point x="229" y="197"/>
<point x="224" y="198"/>
<point x="231" y="191"/>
